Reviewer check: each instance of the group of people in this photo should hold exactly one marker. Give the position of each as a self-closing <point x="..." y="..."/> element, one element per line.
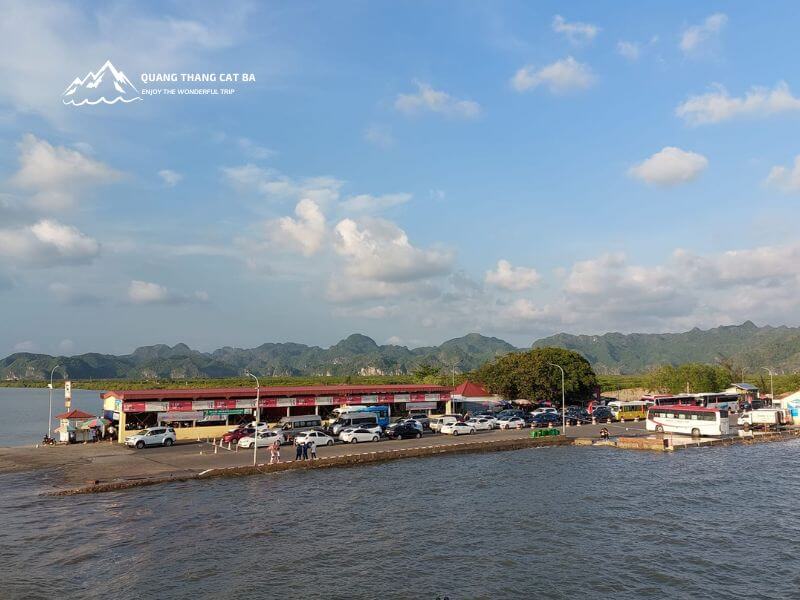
<point x="303" y="451"/>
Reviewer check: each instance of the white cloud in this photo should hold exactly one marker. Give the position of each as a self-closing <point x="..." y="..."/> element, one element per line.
<point x="694" y="38"/>
<point x="146" y="292"/>
<point x="379" y="135"/>
<point x="306" y="233"/>
<point x="562" y="76"/>
<point x="169" y="177"/>
<point x="786" y="179"/>
<point x="379" y="250"/>
<point x="717" y="105"/>
<point x="629" y="50"/>
<point x="54" y="175"/>
<point x="370" y="203"/>
<point x="576" y="32"/>
<point x="670" y="166"/>
<point x="512" y="278"/>
<point x="274" y="185"/>
<point x="428" y="99"/>
<point x="25" y="346"/>
<point x="47" y="243"/>
<point x="253" y="150"/>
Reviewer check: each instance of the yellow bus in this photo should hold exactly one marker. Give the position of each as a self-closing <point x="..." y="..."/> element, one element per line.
<point x="628" y="411"/>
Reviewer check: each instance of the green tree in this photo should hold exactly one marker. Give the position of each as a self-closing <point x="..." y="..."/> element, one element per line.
<point x="426" y="373"/>
<point x="691" y="377"/>
<point x="529" y="375"/>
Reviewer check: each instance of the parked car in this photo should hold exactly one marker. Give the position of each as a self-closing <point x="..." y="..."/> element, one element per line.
<point x="401" y="431"/>
<point x="576" y="416"/>
<point x="252" y="425"/>
<point x="262" y="438"/>
<point x="544" y="409"/>
<point x="545" y="420"/>
<point x="481" y="424"/>
<point x="511" y="423"/>
<point x="371" y="427"/>
<point x="509" y="412"/>
<point x="414" y="423"/>
<point x="602" y="413"/>
<point x="318" y="437"/>
<point x="422" y="419"/>
<point x="436" y="424"/>
<point x="457" y="428"/>
<point x="233" y="437"/>
<point x="358" y="435"/>
<point x="152" y="436"/>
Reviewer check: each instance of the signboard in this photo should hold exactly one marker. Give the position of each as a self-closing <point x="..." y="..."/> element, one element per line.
<point x="227" y="411"/>
<point x="67" y="394"/>
<point x="184" y="415"/>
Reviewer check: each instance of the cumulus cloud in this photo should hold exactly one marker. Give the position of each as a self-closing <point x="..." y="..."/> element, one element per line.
<point x="47" y="243"/>
<point x="146" y="292"/>
<point x="576" y="32"/>
<point x="54" y="175"/>
<point x="511" y="278"/>
<point x="786" y="179"/>
<point x="306" y="233"/>
<point x="670" y="166"/>
<point x="169" y="177"/>
<point x="562" y="76"/>
<point x="718" y="105"/>
<point x="379" y="250"/>
<point x="696" y="37"/>
<point x="274" y="185"/>
<point x="629" y="50"/>
<point x="429" y="100"/>
<point x="370" y="203"/>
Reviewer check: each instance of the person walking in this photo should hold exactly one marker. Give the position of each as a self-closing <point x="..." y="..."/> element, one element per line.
<point x="312" y="447"/>
<point x="275" y="452"/>
<point x="305" y="450"/>
<point x="298" y="453"/>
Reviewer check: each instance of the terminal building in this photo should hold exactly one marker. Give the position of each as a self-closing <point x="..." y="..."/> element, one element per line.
<point x="197" y="412"/>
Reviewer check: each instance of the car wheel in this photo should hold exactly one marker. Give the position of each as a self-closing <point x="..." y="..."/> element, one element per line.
<point x="353" y="441"/>
<point x="329" y="443"/>
<point x="455" y="431"/>
<point x="375" y="438"/>
<point x="659" y="429"/>
<point x="168" y="442"/>
<point x="419" y="435"/>
<point x="471" y="431"/>
<point x="140" y="444"/>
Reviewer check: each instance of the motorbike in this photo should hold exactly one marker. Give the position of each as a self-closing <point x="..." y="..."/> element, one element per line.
<point x="48" y="441"/>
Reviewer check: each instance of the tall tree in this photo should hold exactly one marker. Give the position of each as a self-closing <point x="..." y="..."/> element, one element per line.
<point x="689" y="377"/>
<point x="529" y="375"/>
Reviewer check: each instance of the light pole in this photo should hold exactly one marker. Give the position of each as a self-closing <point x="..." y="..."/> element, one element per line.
<point x="258" y="418"/>
<point x="563" y="399"/>
<point x="771" y="387"/>
<point x="50" y="409"/>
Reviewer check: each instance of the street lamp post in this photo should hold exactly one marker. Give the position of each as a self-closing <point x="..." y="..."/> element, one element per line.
<point x="258" y="418"/>
<point x="771" y="387"/>
<point x="563" y="399"/>
<point x="50" y="403"/>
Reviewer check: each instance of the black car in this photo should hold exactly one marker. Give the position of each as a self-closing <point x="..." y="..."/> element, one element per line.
<point x="576" y="416"/>
<point x="602" y="413"/>
<point x="545" y="420"/>
<point x="402" y="431"/>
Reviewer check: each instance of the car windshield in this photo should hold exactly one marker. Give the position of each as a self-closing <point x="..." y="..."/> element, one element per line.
<point x="142" y="432"/>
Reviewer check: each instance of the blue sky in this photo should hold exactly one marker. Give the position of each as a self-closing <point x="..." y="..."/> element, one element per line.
<point x="411" y="171"/>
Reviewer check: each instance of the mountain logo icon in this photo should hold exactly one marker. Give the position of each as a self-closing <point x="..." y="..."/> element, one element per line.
<point x="107" y="85"/>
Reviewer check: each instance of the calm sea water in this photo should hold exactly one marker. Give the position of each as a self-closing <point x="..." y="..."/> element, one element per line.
<point x="23" y="412"/>
<point x="546" y="523"/>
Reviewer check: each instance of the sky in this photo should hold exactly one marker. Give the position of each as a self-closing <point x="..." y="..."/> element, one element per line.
<point x="410" y="171"/>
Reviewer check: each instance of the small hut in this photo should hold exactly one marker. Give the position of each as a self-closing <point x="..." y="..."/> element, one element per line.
<point x="69" y="429"/>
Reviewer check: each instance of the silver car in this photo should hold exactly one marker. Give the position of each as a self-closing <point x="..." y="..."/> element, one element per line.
<point x="152" y="436"/>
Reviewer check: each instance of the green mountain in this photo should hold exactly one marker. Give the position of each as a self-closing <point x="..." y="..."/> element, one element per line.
<point x="743" y="346"/>
<point x="354" y="355"/>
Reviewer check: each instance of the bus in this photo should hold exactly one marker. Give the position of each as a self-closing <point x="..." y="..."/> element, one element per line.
<point x="382" y="412"/>
<point x="705" y="400"/>
<point x="628" y="411"/>
<point x="692" y="420"/>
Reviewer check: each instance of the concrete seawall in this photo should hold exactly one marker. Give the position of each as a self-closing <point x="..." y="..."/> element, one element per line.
<point x="347" y="460"/>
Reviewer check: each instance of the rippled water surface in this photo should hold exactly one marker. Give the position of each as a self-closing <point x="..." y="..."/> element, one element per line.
<point x="549" y="523"/>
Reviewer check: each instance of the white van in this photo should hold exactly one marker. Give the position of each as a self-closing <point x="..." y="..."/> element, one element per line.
<point x="350" y="419"/>
<point x="436" y="424"/>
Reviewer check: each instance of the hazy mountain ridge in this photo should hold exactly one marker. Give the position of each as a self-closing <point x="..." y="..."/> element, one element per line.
<point x="745" y="346"/>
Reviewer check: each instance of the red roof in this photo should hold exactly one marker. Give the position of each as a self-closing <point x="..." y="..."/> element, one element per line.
<point x="273" y="391"/>
<point x="75" y="414"/>
<point x="471" y="390"/>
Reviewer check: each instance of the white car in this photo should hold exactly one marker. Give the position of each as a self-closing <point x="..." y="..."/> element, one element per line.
<point x="437" y="423"/>
<point x="511" y="423"/>
<point x="481" y="424"/>
<point x="319" y="438"/>
<point x="543" y="410"/>
<point x="152" y="436"/>
<point x="358" y="435"/>
<point x="376" y="429"/>
<point x="457" y="428"/>
<point x="263" y="438"/>
<point x="253" y="425"/>
<point x="491" y="418"/>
